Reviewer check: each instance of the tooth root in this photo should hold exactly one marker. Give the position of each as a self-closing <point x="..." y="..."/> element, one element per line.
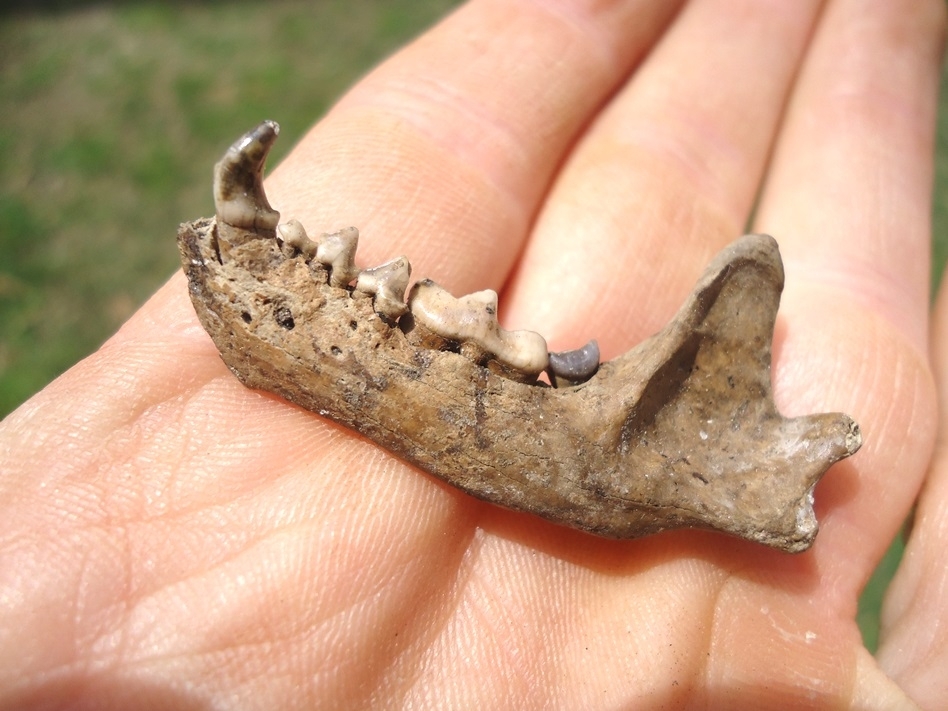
<point x="574" y="367"/>
<point x="470" y="322"/>
<point x="295" y="238"/>
<point x="387" y="282"/>
<point x="337" y="251"/>
<point x="239" y="198"/>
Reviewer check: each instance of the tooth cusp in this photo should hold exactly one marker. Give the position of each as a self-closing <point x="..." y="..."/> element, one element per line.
<point x="469" y="325"/>
<point x="387" y="283"/>
<point x="337" y="251"/>
<point x="295" y="240"/>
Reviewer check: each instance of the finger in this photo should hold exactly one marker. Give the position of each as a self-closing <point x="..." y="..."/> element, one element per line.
<point x="154" y="437"/>
<point x="445" y="151"/>
<point x="666" y="176"/>
<point x="914" y="648"/>
<point x="848" y="196"/>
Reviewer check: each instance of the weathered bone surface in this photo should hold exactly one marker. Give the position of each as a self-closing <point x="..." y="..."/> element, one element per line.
<point x="681" y="431"/>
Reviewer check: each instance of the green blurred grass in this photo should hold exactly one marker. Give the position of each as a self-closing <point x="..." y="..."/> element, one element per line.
<point x="111" y="116"/>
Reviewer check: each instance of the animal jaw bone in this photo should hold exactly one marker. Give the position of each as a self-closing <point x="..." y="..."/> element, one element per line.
<point x="681" y="431"/>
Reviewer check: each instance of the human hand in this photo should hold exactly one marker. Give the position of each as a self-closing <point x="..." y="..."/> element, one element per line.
<point x="170" y="538"/>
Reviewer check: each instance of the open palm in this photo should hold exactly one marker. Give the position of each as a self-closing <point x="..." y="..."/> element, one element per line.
<point x="170" y="539"/>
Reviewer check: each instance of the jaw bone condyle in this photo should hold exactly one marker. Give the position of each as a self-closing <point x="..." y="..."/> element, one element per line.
<point x="681" y="431"/>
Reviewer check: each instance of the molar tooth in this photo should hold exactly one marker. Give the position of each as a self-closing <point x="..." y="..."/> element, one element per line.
<point x="574" y="367"/>
<point x="294" y="236"/>
<point x="337" y="251"/>
<point x="239" y="198"/>
<point x="387" y="282"/>
<point x="471" y="322"/>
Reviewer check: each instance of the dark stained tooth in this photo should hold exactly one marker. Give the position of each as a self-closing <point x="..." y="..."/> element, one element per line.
<point x="573" y="367"/>
<point x="239" y="198"/>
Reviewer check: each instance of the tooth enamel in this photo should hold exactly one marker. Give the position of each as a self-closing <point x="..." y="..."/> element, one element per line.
<point x="337" y="251"/>
<point x="471" y="322"/>
<point x="387" y="282"/>
<point x="572" y="367"/>
<point x="294" y="235"/>
<point x="239" y="198"/>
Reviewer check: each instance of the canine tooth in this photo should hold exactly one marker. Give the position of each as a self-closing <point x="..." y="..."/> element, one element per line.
<point x="294" y="236"/>
<point x="573" y="367"/>
<point x="337" y="251"/>
<point x="387" y="282"/>
<point x="471" y="322"/>
<point x="239" y="198"/>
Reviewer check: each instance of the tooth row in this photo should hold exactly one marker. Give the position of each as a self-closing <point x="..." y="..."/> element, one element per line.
<point x="437" y="319"/>
<point x="336" y="251"/>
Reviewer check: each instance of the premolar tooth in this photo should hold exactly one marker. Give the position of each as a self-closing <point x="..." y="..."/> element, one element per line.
<point x="337" y="251"/>
<point x="387" y="282"/>
<point x="294" y="236"/>
<point x="573" y="367"/>
<point x="239" y="198"/>
<point x="471" y="322"/>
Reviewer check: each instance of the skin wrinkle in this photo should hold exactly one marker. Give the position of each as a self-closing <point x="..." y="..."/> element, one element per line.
<point x="302" y="634"/>
<point x="599" y="42"/>
<point x="244" y="551"/>
<point x="645" y="661"/>
<point x="850" y="118"/>
<point x="452" y="596"/>
<point x="428" y="104"/>
<point x="403" y="674"/>
<point x="912" y="645"/>
<point x="705" y="668"/>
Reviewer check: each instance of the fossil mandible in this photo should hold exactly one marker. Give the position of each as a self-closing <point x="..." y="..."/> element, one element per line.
<point x="681" y="431"/>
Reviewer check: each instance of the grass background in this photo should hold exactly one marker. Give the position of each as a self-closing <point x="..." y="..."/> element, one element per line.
<point x="111" y="116"/>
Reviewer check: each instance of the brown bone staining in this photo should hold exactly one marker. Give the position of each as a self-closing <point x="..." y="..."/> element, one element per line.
<point x="681" y="431"/>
